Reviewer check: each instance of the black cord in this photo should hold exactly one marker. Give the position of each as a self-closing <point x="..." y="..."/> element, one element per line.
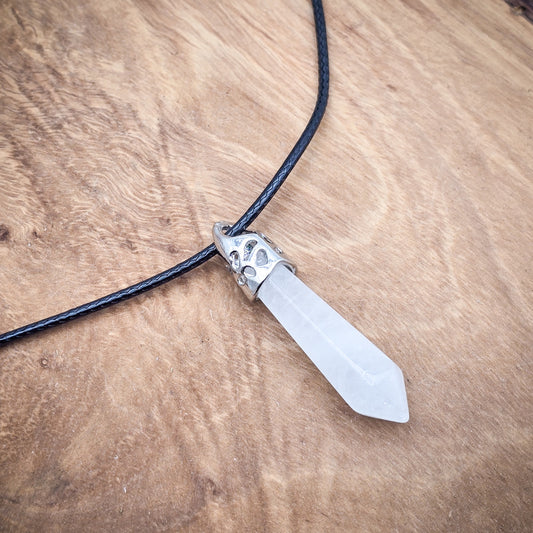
<point x="249" y="216"/>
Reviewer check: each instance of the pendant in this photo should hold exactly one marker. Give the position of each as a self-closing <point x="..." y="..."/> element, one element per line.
<point x="368" y="381"/>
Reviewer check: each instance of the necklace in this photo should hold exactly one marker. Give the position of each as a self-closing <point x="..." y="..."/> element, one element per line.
<point x="364" y="376"/>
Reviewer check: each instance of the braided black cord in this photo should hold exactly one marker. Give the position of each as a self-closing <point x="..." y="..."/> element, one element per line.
<point x="249" y="216"/>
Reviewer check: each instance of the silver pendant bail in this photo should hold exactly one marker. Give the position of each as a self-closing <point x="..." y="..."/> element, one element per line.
<point x="251" y="257"/>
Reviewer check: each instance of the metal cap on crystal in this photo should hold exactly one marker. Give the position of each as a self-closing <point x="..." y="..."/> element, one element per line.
<point x="251" y="257"/>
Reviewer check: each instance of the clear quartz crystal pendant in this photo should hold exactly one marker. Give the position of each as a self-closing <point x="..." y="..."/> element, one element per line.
<point x="369" y="382"/>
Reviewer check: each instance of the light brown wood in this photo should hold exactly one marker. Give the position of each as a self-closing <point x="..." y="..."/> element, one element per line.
<point x="127" y="129"/>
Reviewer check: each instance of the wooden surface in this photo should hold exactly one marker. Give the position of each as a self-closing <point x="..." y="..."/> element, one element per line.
<point x="128" y="128"/>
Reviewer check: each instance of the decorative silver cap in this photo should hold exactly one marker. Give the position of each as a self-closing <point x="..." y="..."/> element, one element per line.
<point x="251" y="257"/>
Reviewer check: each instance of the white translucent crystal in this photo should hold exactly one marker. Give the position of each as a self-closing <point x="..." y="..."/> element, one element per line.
<point x="370" y="382"/>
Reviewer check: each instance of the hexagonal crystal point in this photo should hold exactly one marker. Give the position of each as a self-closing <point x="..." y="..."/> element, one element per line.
<point x="369" y="382"/>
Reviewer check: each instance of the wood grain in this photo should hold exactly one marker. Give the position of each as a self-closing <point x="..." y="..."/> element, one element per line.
<point x="128" y="128"/>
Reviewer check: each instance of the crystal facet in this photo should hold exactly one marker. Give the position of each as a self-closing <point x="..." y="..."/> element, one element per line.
<point x="370" y="382"/>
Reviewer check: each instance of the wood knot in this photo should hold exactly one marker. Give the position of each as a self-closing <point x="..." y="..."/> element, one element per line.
<point x="4" y="232"/>
<point x="211" y="488"/>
